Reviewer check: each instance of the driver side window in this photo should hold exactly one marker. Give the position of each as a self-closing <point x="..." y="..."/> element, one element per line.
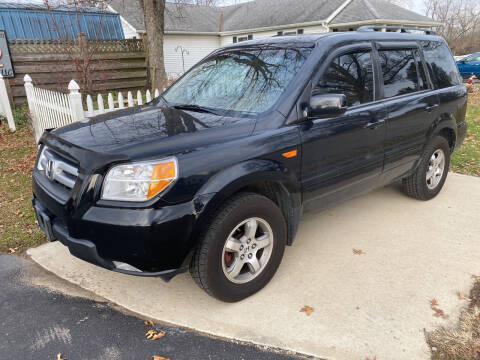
<point x="350" y="74"/>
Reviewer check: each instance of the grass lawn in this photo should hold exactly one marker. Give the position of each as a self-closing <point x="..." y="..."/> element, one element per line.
<point x="467" y="159"/>
<point x="18" y="229"/>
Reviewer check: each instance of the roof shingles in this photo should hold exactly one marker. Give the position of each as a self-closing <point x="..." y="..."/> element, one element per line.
<point x="265" y="13"/>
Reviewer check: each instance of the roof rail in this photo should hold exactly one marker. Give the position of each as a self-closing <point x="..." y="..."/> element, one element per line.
<point x="402" y="29"/>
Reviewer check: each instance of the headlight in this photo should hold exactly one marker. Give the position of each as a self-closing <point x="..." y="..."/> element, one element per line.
<point x="42" y="160"/>
<point x="139" y="181"/>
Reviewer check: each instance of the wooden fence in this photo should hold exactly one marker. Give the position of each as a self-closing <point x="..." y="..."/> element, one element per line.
<point x="51" y="109"/>
<point x="113" y="65"/>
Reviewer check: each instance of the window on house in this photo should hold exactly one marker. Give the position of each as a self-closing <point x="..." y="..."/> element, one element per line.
<point x="280" y="33"/>
<point x="335" y="30"/>
<point x="350" y="74"/>
<point x="250" y="37"/>
<point x="300" y="31"/>
<point x="242" y="38"/>
<point x="290" y="33"/>
<point x="351" y="29"/>
<point x="235" y="40"/>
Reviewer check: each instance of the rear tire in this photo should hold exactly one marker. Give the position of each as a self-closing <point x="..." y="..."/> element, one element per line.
<point x="241" y="249"/>
<point x="429" y="177"/>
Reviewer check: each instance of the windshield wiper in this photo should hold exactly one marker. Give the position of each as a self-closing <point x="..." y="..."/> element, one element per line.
<point x="198" y="108"/>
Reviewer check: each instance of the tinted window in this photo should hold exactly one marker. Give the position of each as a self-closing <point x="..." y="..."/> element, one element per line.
<point x="423" y="84"/>
<point x="400" y="74"/>
<point x="244" y="79"/>
<point x="441" y="65"/>
<point x="350" y="74"/>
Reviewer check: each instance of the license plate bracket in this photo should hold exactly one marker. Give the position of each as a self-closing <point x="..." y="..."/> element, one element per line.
<point x="45" y="223"/>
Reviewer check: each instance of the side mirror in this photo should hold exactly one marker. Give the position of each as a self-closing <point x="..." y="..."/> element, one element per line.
<point x="327" y="105"/>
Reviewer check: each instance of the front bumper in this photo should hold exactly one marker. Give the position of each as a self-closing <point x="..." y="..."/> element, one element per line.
<point x="141" y="242"/>
<point x="87" y="250"/>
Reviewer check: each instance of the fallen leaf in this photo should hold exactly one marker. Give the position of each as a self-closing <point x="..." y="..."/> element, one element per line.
<point x="158" y="336"/>
<point x="358" y="252"/>
<point x="307" y="310"/>
<point x="150" y="333"/>
<point x="148" y="323"/>
<point x="154" y="334"/>
<point x="158" y="357"/>
<point x="438" y="312"/>
<point x="374" y="358"/>
<point x="475" y="351"/>
<point x="463" y="296"/>
<point x="59" y="357"/>
<point x="12" y="250"/>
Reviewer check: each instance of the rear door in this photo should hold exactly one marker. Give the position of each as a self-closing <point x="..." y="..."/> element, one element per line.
<point x="410" y="104"/>
<point x="344" y="154"/>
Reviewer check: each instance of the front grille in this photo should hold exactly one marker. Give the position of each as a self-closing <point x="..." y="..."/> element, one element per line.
<point x="58" y="169"/>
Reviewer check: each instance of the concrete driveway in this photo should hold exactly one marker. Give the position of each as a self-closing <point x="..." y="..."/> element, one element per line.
<point x="373" y="304"/>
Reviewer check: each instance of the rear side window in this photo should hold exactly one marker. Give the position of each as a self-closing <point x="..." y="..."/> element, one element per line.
<point x="441" y="65"/>
<point x="423" y="84"/>
<point x="350" y="74"/>
<point x="400" y="72"/>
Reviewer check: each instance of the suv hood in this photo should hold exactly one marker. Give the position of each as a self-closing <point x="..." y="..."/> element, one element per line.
<point x="147" y="131"/>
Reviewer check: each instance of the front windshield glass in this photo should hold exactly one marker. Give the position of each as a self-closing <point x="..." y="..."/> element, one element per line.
<point x="243" y="79"/>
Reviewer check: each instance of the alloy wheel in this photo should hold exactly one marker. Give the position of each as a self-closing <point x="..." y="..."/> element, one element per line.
<point x="247" y="250"/>
<point x="436" y="167"/>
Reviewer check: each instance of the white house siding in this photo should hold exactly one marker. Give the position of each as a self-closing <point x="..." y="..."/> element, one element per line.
<point x="228" y="39"/>
<point x="198" y="47"/>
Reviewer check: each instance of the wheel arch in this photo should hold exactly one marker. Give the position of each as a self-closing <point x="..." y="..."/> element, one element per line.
<point x="265" y="177"/>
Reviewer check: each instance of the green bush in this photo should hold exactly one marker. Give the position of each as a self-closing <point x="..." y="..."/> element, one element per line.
<point x="21" y="116"/>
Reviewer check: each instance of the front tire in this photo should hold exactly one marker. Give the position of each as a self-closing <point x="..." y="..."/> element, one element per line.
<point x="241" y="249"/>
<point x="429" y="177"/>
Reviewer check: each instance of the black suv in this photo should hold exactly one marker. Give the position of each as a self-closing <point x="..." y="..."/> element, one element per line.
<point x="212" y="176"/>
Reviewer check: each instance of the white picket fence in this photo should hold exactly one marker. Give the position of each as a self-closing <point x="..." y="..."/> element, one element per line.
<point x="5" y="108"/>
<point x="52" y="109"/>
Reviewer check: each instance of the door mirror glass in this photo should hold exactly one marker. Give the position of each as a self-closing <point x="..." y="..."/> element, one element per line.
<point x="327" y="105"/>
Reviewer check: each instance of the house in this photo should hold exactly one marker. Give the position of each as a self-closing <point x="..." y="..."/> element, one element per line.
<point x="194" y="31"/>
<point x="32" y="20"/>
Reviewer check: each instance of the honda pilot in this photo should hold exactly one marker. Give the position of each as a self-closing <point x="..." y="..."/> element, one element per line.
<point x="212" y="176"/>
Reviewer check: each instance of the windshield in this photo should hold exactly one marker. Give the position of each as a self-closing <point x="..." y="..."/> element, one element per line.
<point x="243" y="79"/>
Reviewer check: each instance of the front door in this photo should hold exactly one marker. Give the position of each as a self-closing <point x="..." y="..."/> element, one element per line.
<point x="342" y="156"/>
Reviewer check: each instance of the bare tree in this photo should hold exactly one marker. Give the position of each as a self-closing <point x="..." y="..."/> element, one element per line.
<point x="78" y="50"/>
<point x="154" y="13"/>
<point x="460" y="22"/>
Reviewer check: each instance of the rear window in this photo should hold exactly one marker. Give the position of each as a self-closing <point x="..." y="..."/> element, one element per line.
<point x="441" y="64"/>
<point x="400" y="72"/>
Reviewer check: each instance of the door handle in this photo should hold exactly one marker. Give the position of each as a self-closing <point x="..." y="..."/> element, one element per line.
<point x="372" y="125"/>
<point x="431" y="108"/>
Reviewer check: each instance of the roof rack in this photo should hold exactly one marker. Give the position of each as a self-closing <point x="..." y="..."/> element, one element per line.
<point x="402" y="29"/>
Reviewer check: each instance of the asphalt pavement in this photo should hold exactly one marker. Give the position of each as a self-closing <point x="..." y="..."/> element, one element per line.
<point x="39" y="321"/>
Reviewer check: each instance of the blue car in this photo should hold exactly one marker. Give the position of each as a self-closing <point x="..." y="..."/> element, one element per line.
<point x="470" y="65"/>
